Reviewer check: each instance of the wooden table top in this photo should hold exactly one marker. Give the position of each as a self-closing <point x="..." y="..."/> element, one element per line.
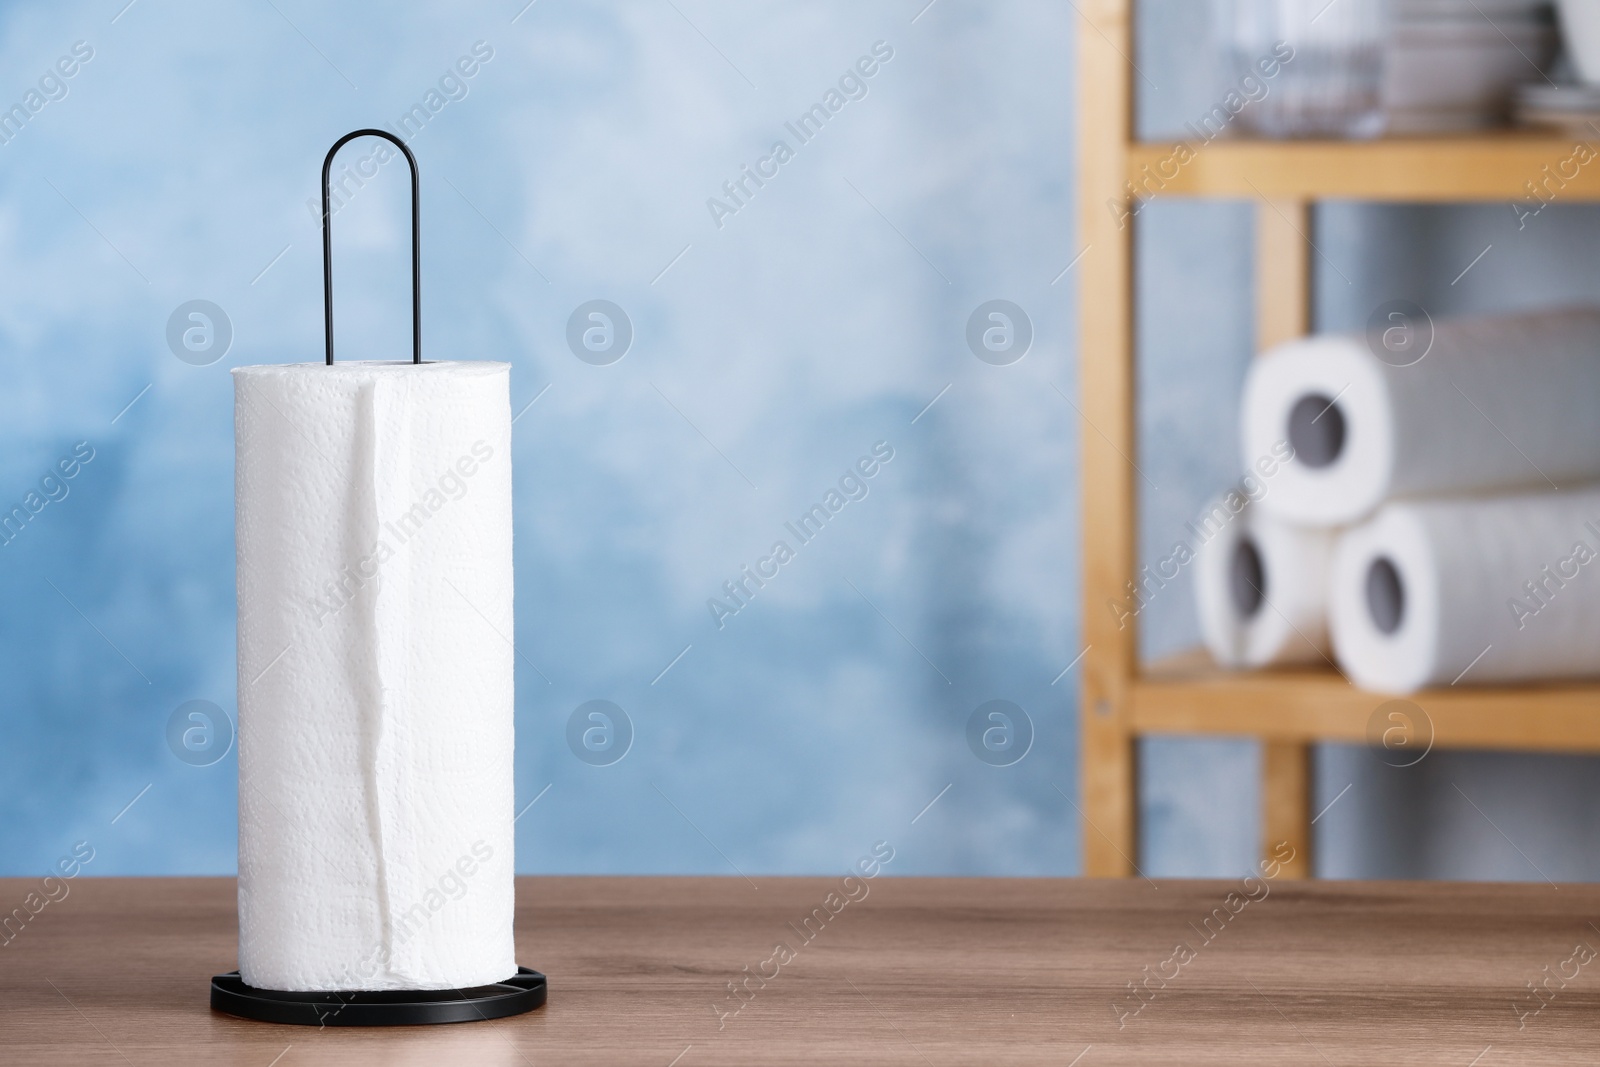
<point x="920" y="971"/>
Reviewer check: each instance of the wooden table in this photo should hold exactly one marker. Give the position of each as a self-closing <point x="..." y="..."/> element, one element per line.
<point x="920" y="971"/>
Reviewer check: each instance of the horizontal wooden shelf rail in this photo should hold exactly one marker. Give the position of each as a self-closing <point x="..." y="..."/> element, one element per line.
<point x="1511" y="166"/>
<point x="1315" y="705"/>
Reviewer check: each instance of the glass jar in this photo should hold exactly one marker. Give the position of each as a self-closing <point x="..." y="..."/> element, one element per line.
<point x="1325" y="59"/>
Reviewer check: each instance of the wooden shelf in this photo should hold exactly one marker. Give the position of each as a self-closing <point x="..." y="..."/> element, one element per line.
<point x="1190" y="695"/>
<point x="1489" y="166"/>
<point x="1287" y="711"/>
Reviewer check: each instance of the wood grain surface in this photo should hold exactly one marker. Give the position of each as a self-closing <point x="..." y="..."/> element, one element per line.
<point x="920" y="971"/>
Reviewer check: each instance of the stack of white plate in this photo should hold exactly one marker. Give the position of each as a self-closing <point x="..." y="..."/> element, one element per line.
<point x="1456" y="64"/>
<point x="1568" y="107"/>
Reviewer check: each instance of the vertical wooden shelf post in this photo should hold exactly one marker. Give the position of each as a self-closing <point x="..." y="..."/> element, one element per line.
<point x="1283" y="271"/>
<point x="1108" y="753"/>
<point x="1283" y="312"/>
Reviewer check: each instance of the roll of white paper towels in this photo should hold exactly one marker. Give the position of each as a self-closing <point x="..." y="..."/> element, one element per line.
<point x="1489" y="404"/>
<point x="1261" y="586"/>
<point x="1499" y="589"/>
<point x="373" y="520"/>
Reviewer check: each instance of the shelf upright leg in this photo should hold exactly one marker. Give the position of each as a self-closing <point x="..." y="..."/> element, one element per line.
<point x="1283" y="312"/>
<point x="1108" y="749"/>
<point x="1283" y="271"/>
<point x="1286" y="806"/>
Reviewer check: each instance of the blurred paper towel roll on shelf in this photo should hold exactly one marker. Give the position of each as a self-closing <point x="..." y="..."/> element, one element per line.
<point x="1261" y="587"/>
<point x="1489" y="403"/>
<point x="375" y="675"/>
<point x="1489" y="590"/>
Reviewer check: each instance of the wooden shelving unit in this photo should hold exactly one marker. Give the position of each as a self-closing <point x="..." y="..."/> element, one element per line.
<point x="1287" y="710"/>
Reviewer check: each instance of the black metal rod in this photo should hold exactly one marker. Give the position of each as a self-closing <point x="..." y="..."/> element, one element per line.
<point x="416" y="249"/>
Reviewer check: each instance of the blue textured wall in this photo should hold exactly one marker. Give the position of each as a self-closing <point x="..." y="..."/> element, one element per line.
<point x="817" y="320"/>
<point x="773" y="345"/>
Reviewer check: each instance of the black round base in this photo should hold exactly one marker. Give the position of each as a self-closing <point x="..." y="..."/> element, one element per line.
<point x="390" y="1007"/>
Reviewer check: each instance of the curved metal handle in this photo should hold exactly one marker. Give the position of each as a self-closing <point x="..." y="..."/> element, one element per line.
<point x="327" y="243"/>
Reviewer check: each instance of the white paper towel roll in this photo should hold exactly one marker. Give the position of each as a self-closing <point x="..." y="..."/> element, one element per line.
<point x="1261" y="587"/>
<point x="373" y="524"/>
<point x="1496" y="403"/>
<point x="1494" y="590"/>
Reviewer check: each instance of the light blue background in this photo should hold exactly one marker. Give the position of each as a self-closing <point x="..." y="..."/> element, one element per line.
<point x="820" y="319"/>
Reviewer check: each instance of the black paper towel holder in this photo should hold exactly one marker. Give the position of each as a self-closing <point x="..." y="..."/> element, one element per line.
<point x="416" y="241"/>
<point x="521" y="992"/>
